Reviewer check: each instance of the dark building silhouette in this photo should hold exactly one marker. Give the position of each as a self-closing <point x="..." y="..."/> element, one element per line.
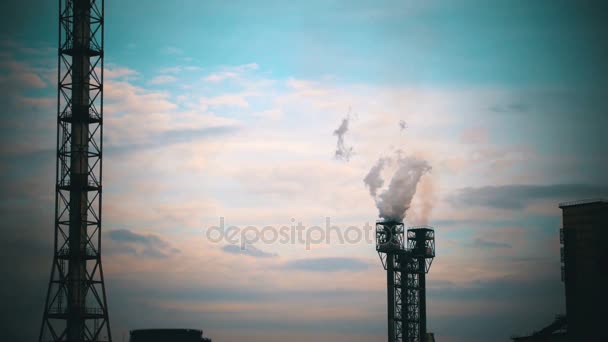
<point x="167" y="335"/>
<point x="584" y="256"/>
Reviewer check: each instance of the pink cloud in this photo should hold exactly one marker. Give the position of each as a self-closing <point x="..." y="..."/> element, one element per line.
<point x="474" y="135"/>
<point x="20" y="74"/>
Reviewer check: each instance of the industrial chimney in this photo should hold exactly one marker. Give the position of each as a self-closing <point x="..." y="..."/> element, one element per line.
<point x="406" y="260"/>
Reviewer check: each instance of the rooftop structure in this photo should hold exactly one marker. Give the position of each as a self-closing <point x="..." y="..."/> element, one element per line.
<point x="167" y="335"/>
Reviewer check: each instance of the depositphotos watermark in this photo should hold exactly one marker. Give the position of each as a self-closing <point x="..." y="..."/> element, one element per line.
<point x="292" y="234"/>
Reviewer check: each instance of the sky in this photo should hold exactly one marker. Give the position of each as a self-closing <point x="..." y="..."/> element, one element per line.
<point x="226" y="111"/>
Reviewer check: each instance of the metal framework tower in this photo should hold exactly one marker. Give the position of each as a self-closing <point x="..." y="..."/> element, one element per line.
<point x="75" y="308"/>
<point x="406" y="261"/>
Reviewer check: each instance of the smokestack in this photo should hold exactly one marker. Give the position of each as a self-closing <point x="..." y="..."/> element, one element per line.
<point x="406" y="260"/>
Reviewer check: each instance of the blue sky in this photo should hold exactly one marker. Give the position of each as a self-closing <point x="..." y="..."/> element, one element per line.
<point x="462" y="42"/>
<point x="227" y="109"/>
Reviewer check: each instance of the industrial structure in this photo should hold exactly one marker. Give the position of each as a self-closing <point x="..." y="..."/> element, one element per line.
<point x="76" y="308"/>
<point x="406" y="259"/>
<point x="584" y="256"/>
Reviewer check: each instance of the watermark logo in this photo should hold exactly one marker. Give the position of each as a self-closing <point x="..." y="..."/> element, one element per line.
<point x="290" y="234"/>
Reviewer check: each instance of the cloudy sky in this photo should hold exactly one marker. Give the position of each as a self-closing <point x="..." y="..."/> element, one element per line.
<point x="225" y="111"/>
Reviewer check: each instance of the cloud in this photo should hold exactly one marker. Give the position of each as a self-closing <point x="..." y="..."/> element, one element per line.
<point x="114" y="72"/>
<point x="163" y="79"/>
<point x="334" y="264"/>
<point x="221" y="76"/>
<point x="483" y="243"/>
<point x="516" y="197"/>
<point x="27" y="101"/>
<point x="502" y="288"/>
<point x="18" y="48"/>
<point x="486" y="310"/>
<point x="270" y="114"/>
<point x="230" y="73"/>
<point x="179" y="68"/>
<point x="248" y="250"/>
<point x="227" y="100"/>
<point x="146" y="245"/>
<point x="127" y="105"/>
<point x="20" y="75"/>
<point x="474" y="135"/>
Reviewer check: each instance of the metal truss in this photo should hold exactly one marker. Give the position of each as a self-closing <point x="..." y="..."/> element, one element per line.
<point x="406" y="263"/>
<point x="76" y="306"/>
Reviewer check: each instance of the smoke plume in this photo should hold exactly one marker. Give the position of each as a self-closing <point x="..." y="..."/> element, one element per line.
<point x="393" y="202"/>
<point x="426" y="196"/>
<point x="342" y="151"/>
<point x="374" y="180"/>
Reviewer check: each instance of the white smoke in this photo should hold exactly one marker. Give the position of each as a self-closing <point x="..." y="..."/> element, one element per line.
<point x="374" y="180"/>
<point x="426" y="196"/>
<point x="342" y="151"/>
<point x="393" y="202"/>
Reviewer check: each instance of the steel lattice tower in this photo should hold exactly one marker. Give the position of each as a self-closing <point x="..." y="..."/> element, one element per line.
<point x="75" y="308"/>
<point x="406" y="263"/>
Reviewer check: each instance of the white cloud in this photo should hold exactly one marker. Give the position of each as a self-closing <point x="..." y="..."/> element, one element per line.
<point x="163" y="79"/>
<point x="179" y="69"/>
<point x="230" y="72"/>
<point x="136" y="115"/>
<point x="113" y="72"/>
<point x="227" y="100"/>
<point x="270" y="114"/>
<point x="221" y="76"/>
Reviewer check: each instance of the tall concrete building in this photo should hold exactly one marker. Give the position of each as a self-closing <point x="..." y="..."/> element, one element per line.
<point x="584" y="253"/>
<point x="584" y="256"/>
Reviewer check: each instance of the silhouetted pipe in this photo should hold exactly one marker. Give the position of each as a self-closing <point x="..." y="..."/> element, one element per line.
<point x="79" y="168"/>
